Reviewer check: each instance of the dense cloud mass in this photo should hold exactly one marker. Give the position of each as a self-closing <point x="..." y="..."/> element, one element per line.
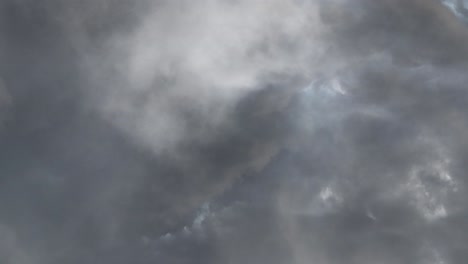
<point x="233" y="131"/>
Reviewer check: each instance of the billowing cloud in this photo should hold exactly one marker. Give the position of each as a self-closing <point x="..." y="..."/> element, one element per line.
<point x="233" y="131"/>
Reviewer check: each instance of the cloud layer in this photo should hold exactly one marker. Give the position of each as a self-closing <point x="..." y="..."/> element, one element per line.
<point x="233" y="131"/>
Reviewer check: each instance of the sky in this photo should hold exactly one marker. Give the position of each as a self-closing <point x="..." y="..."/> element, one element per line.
<point x="233" y="131"/>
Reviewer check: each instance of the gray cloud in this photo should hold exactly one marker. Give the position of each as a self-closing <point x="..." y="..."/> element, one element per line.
<point x="233" y="131"/>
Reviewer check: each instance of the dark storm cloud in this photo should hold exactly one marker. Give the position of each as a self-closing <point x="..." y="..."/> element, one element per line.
<point x="233" y="132"/>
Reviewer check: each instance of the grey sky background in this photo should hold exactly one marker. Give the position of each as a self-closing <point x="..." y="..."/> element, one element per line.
<point x="233" y="131"/>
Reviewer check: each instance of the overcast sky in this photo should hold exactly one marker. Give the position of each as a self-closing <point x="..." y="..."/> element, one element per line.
<point x="233" y="131"/>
